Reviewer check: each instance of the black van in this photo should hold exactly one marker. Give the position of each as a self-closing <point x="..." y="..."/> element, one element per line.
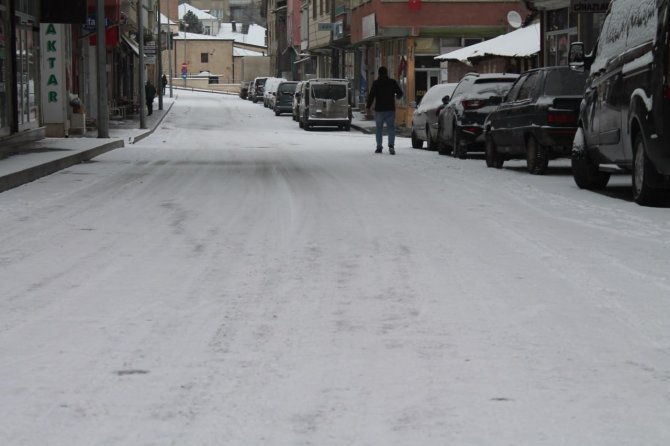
<point x="624" y="122"/>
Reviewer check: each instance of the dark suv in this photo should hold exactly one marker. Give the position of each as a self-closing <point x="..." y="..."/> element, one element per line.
<point x="624" y="122"/>
<point x="461" y="121"/>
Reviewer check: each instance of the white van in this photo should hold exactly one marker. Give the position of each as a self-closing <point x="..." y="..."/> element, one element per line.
<point x="325" y="102"/>
<point x="270" y="91"/>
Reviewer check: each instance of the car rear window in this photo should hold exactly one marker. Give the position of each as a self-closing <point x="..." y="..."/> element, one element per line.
<point x="564" y="83"/>
<point x="493" y="86"/>
<point x="287" y="88"/>
<point x="435" y="94"/>
<point x="329" y="91"/>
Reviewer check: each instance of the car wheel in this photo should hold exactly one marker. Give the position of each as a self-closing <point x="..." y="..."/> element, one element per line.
<point x="254" y="100"/>
<point x="459" y="151"/>
<point x="584" y="171"/>
<point x="536" y="157"/>
<point x="277" y="112"/>
<point x="442" y="147"/>
<point x="347" y="127"/>
<point x="493" y="158"/>
<point x="431" y="144"/>
<point x="416" y="142"/>
<point x="643" y="172"/>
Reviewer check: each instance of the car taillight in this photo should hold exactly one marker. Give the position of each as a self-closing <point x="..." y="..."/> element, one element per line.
<point x="561" y="118"/>
<point x="471" y="104"/>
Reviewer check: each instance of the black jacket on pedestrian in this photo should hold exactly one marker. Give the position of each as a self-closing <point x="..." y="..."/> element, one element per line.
<point x="150" y="92"/>
<point x="383" y="93"/>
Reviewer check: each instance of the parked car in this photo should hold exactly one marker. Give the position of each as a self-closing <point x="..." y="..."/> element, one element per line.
<point x="270" y="91"/>
<point x="461" y="121"/>
<point x="424" y="121"/>
<point x="624" y="119"/>
<point x="536" y="120"/>
<point x="326" y="102"/>
<point x="244" y="89"/>
<point x="257" y="89"/>
<point x="299" y="90"/>
<point x="283" y="102"/>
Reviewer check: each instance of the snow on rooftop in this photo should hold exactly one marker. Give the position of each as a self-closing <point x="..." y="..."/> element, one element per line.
<point x="244" y="52"/>
<point x="193" y="36"/>
<point x="255" y="35"/>
<point x="166" y="21"/>
<point x="199" y="13"/>
<point x="523" y="42"/>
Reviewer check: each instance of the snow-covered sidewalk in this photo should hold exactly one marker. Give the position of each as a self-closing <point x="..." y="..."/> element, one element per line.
<point x="27" y="162"/>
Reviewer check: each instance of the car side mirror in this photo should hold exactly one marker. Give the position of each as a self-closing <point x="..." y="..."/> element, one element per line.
<point x="577" y="57"/>
<point x="445" y="99"/>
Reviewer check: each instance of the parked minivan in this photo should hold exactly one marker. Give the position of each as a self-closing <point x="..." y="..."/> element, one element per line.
<point x="283" y="102"/>
<point x="299" y="90"/>
<point x="257" y="89"/>
<point x="325" y="102"/>
<point x="624" y="121"/>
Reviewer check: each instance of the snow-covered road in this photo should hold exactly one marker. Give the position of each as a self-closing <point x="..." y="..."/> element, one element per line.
<point x="235" y="280"/>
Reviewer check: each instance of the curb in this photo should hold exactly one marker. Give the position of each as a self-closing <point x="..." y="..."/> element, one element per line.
<point x="361" y="129"/>
<point x="33" y="173"/>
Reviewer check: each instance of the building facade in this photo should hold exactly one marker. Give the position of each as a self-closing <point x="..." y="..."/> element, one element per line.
<point x="20" y="91"/>
<point x="406" y="36"/>
<point x="563" y="22"/>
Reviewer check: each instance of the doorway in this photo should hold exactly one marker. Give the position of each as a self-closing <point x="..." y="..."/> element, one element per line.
<point x="424" y="79"/>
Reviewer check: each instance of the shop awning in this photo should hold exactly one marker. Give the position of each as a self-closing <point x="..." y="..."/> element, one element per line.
<point x="132" y="45"/>
<point x="523" y="42"/>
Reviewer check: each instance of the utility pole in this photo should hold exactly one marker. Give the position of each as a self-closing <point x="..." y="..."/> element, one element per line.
<point x="140" y="40"/>
<point x="170" y="47"/>
<point x="159" y="56"/>
<point x="101" y="59"/>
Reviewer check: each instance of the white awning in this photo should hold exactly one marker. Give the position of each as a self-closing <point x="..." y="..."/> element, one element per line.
<point x="131" y="43"/>
<point x="523" y="42"/>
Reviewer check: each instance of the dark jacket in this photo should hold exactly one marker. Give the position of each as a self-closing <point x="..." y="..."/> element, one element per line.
<point x="150" y="92"/>
<point x="383" y="93"/>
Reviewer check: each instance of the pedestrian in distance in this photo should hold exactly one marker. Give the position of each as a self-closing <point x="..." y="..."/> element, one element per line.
<point x="164" y="82"/>
<point x="383" y="93"/>
<point x="150" y="93"/>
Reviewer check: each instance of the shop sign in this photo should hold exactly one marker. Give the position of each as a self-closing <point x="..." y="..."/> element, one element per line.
<point x="53" y="69"/>
<point x="589" y="6"/>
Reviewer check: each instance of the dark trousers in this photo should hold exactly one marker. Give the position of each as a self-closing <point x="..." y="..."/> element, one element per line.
<point x="150" y="107"/>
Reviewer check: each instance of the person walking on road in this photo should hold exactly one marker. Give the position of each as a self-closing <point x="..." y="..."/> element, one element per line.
<point x="150" y="92"/>
<point x="383" y="93"/>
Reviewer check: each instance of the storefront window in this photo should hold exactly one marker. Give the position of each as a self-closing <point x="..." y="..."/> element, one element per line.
<point x="27" y="80"/>
<point x="561" y="26"/>
<point x="4" y="54"/>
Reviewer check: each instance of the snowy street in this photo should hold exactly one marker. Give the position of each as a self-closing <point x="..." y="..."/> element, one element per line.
<point x="235" y="280"/>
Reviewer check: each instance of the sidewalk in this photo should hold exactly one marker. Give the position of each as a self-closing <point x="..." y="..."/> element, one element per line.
<point x="365" y="125"/>
<point x="23" y="163"/>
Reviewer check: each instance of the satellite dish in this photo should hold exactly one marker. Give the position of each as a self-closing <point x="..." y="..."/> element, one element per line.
<point x="514" y="19"/>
